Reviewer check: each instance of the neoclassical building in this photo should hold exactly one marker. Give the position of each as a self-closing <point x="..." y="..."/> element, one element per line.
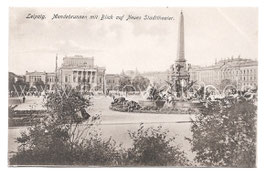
<point x="244" y="72"/>
<point x="80" y="72"/>
<point x="33" y="77"/>
<point x="76" y="72"/>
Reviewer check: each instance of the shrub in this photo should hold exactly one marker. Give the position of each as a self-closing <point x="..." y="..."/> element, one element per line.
<point x="224" y="134"/>
<point x="58" y="139"/>
<point x="66" y="136"/>
<point x="153" y="147"/>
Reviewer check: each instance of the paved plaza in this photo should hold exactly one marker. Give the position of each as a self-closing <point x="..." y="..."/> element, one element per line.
<point x="117" y="124"/>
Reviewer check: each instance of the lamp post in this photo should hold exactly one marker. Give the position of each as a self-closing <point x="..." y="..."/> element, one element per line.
<point x="56" y="58"/>
<point x="85" y="64"/>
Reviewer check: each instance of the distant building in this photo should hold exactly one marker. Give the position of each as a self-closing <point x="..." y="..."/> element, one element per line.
<point x="14" y="77"/>
<point x="112" y="81"/>
<point x="130" y="73"/>
<point x="47" y="78"/>
<point x="76" y="71"/>
<point x="50" y="80"/>
<point x="156" y="77"/>
<point x="33" y="77"/>
<point x="79" y="71"/>
<point x="244" y="72"/>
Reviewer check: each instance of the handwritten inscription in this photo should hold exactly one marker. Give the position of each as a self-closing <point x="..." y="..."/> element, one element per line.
<point x="101" y="17"/>
<point x="35" y="16"/>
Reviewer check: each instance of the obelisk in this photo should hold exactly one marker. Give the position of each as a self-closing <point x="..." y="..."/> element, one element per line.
<point x="181" y="72"/>
<point x="181" y="40"/>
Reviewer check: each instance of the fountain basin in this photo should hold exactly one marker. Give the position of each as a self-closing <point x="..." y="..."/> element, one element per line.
<point x="179" y="104"/>
<point x="151" y="103"/>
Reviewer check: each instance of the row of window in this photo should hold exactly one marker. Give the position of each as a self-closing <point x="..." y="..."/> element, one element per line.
<point x="249" y="84"/>
<point x="51" y="79"/>
<point x="84" y="72"/>
<point x="111" y="81"/>
<point x="251" y="78"/>
<point x="79" y="79"/>
<point x="35" y="78"/>
<point x="245" y="71"/>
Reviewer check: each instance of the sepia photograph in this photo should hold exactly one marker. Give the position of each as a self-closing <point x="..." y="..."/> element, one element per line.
<point x="133" y="87"/>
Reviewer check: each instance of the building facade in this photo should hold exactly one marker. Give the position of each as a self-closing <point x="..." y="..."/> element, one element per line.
<point x="33" y="77"/>
<point x="112" y="81"/>
<point x="48" y="79"/>
<point x="242" y="72"/>
<point x="156" y="77"/>
<point x="239" y="71"/>
<point x="76" y="72"/>
<point x="14" y="77"/>
<point x="80" y="72"/>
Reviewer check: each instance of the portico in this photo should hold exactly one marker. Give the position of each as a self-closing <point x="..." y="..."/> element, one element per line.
<point x="80" y="72"/>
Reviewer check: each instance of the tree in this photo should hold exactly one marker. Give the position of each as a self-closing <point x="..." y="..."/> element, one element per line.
<point x="125" y="83"/>
<point x="226" y="82"/>
<point x="224" y="134"/>
<point x="11" y="83"/>
<point x="22" y="85"/>
<point x="58" y="138"/>
<point x="40" y="85"/>
<point x="154" y="147"/>
<point x="140" y="83"/>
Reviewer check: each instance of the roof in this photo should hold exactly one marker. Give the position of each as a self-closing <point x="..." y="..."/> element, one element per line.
<point x="35" y="73"/>
<point x="226" y="63"/>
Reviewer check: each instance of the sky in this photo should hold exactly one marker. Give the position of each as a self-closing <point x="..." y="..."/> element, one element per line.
<point x="148" y="45"/>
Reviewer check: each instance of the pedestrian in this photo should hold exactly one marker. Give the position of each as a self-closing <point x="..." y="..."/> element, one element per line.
<point x="23" y="99"/>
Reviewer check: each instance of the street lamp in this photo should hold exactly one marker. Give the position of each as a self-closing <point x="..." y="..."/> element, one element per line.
<point x="84" y="64"/>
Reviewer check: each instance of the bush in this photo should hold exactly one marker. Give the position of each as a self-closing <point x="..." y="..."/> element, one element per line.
<point x="123" y="105"/>
<point x="153" y="147"/>
<point x="52" y="150"/>
<point x="66" y="136"/>
<point x="224" y="134"/>
<point x="57" y="139"/>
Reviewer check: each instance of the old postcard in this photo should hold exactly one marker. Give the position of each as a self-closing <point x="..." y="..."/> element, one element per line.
<point x="133" y="87"/>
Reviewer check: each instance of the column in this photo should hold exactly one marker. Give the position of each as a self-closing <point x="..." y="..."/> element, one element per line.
<point x="95" y="78"/>
<point x="86" y="76"/>
<point x="91" y="77"/>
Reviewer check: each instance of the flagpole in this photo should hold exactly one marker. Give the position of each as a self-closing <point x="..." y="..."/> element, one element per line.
<point x="56" y="79"/>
